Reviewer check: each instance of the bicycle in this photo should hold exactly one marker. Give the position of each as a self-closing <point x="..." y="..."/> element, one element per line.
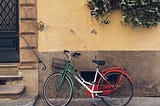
<point x="112" y="85"/>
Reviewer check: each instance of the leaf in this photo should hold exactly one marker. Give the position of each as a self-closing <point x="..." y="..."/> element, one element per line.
<point x="100" y="9"/>
<point x="144" y="13"/>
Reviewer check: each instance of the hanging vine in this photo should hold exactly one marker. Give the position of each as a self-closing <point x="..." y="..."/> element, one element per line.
<point x="136" y="13"/>
<point x="143" y="13"/>
<point x="100" y="9"/>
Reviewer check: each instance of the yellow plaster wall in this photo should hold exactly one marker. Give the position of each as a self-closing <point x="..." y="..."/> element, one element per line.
<point x="68" y="25"/>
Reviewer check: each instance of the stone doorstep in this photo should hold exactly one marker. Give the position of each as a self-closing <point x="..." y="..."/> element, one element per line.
<point x="9" y="65"/>
<point x="10" y="77"/>
<point x="9" y="68"/>
<point x="11" y="89"/>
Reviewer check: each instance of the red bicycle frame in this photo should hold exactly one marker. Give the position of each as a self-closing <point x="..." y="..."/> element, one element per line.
<point x="109" y="88"/>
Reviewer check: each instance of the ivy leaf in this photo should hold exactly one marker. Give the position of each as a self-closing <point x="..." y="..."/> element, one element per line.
<point x="100" y="9"/>
<point x="144" y="13"/>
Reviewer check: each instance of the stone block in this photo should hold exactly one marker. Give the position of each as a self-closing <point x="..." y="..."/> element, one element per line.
<point x="28" y="12"/>
<point x="30" y="78"/>
<point x="31" y="39"/>
<point x="27" y="55"/>
<point x="28" y="26"/>
<point x="28" y="65"/>
<point x="27" y="1"/>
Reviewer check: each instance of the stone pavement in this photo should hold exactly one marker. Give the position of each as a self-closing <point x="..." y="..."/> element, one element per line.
<point x="136" y="101"/>
<point x="25" y="100"/>
<point x="30" y="101"/>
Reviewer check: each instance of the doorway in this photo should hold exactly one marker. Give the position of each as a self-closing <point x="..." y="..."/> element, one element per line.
<point x="9" y="31"/>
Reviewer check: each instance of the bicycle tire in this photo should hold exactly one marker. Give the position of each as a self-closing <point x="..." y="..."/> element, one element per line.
<point x="120" y="97"/>
<point x="57" y="97"/>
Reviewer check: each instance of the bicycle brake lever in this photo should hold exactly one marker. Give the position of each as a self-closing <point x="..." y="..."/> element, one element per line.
<point x="66" y="51"/>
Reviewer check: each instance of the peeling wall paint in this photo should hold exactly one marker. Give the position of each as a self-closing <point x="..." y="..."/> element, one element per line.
<point x="68" y="25"/>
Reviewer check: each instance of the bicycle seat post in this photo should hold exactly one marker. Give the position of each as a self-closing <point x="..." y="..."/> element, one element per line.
<point x="97" y="67"/>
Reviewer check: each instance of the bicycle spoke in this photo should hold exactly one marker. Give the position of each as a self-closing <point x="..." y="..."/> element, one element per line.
<point x="122" y="93"/>
<point x="119" y="80"/>
<point x="57" y="90"/>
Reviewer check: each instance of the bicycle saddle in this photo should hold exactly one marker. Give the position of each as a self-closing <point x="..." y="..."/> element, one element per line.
<point x="99" y="62"/>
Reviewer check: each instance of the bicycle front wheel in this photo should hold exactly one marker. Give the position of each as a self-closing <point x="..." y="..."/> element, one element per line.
<point x="57" y="92"/>
<point x="119" y="92"/>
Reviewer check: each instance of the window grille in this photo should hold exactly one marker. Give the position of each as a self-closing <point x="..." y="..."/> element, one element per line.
<point x="8" y="16"/>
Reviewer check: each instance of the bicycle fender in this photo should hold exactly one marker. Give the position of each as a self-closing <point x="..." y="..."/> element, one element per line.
<point x="104" y="71"/>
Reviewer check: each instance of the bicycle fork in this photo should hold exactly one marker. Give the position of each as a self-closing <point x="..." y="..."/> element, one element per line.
<point x="61" y="82"/>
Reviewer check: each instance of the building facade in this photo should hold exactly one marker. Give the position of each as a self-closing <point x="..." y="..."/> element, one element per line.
<point x="18" y="65"/>
<point x="68" y="26"/>
<point x="51" y="26"/>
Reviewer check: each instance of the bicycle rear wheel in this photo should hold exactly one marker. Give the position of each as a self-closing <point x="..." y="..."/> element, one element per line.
<point x="54" y="95"/>
<point x="116" y="97"/>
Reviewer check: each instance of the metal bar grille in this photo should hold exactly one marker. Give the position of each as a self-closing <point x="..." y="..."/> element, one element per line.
<point x="8" y="16"/>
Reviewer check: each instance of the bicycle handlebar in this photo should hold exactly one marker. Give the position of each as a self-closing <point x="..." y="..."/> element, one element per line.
<point x="71" y="54"/>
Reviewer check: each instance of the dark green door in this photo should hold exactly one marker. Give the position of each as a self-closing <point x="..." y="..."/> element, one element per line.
<point x="9" y="28"/>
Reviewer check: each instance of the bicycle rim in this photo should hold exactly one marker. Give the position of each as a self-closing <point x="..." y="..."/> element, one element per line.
<point x="122" y="95"/>
<point x="55" y="96"/>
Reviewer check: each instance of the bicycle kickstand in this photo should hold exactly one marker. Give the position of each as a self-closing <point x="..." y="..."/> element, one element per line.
<point x="94" y="103"/>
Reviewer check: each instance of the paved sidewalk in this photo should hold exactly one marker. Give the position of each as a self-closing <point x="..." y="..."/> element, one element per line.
<point x="25" y="100"/>
<point x="136" y="101"/>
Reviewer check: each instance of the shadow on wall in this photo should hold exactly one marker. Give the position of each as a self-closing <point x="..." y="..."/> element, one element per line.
<point x="142" y="66"/>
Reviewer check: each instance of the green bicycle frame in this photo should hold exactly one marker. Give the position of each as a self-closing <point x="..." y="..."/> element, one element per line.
<point x="66" y="73"/>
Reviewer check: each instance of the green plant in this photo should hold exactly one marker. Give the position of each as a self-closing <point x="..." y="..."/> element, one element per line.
<point x="100" y="9"/>
<point x="144" y="13"/>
